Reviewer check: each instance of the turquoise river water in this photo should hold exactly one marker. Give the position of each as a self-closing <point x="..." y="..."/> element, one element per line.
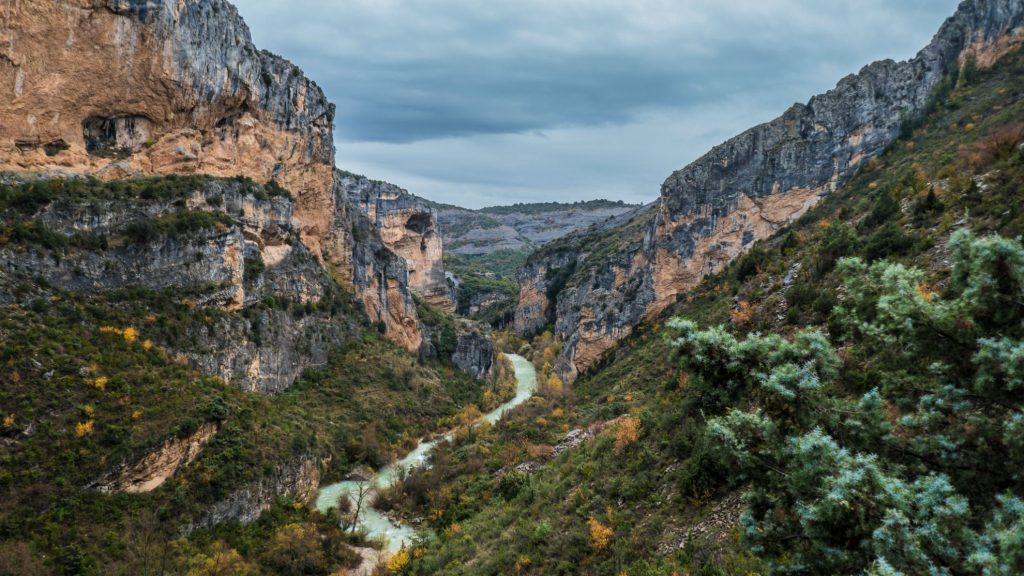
<point x="375" y="523"/>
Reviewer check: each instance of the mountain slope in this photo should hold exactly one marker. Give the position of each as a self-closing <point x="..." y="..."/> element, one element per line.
<point x="485" y="248"/>
<point x="193" y="96"/>
<point x="175" y="361"/>
<point x="755" y="184"/>
<point x="520" y="226"/>
<point x="647" y="488"/>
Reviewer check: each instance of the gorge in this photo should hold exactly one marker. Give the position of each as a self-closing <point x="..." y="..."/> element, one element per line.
<point x="804" y="357"/>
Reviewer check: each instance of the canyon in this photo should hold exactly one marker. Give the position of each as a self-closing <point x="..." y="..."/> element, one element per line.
<point x="206" y="316"/>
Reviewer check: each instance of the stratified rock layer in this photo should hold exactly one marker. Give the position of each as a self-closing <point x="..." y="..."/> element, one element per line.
<point x="409" y="228"/>
<point x="121" y="88"/>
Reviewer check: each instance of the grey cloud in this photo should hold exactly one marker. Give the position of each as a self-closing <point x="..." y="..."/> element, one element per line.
<point x="456" y="97"/>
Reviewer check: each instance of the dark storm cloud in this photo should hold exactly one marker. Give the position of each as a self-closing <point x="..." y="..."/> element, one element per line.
<point x="476" y="101"/>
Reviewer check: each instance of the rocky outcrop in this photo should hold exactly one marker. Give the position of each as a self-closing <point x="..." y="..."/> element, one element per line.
<point x="474" y="353"/>
<point x="540" y="280"/>
<point x="298" y="480"/>
<point x="224" y="244"/>
<point x="193" y="95"/>
<point x="150" y="472"/>
<point x="592" y="288"/>
<point x="753" y="185"/>
<point x="408" y="227"/>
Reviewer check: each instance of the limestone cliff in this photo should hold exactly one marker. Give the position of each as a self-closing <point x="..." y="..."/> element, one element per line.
<point x="220" y="243"/>
<point x="748" y="188"/>
<point x="122" y="88"/>
<point x="408" y="227"/>
<point x="298" y="480"/>
<point x="521" y="226"/>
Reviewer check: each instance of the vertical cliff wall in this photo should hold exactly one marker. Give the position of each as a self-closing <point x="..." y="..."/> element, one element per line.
<point x="751" y="186"/>
<point x="121" y="88"/>
<point x="409" y="228"/>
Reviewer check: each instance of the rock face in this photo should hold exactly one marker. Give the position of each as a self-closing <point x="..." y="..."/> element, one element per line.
<point x="298" y="480"/>
<point x="155" y="468"/>
<point x="520" y="227"/>
<point x="265" y="349"/>
<point x="474" y="353"/>
<point x="193" y="95"/>
<point x="408" y="227"/>
<point x="750" y="187"/>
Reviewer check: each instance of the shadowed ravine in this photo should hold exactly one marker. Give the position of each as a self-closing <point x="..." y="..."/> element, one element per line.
<point x="375" y="523"/>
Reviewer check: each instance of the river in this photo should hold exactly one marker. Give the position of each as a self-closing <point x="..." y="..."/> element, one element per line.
<point x="376" y="524"/>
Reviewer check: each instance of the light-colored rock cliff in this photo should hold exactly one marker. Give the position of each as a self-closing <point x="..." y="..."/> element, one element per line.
<point x="152" y="470"/>
<point x="409" y="228"/>
<point x="122" y="88"/>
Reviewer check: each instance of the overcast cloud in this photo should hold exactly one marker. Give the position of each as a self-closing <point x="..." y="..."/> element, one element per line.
<point x="478" y="103"/>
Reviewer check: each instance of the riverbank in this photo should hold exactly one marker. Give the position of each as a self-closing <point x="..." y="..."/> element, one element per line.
<point x="378" y="525"/>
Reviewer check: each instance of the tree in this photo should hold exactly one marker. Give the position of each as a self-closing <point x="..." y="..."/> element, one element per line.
<point x="600" y="535"/>
<point x="221" y="561"/>
<point x="898" y="479"/>
<point x="363" y="488"/>
<point x="296" y="549"/>
<point x="627" y="432"/>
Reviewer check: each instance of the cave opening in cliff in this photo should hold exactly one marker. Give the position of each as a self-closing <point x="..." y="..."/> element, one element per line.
<point x="418" y="223"/>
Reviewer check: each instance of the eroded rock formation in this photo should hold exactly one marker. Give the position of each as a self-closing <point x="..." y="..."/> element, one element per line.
<point x="748" y="188"/>
<point x="240" y="251"/>
<point x="298" y="480"/>
<point x="409" y="228"/>
<point x="152" y="470"/>
<point x="122" y="88"/>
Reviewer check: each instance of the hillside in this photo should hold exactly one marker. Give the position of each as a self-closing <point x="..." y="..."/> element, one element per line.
<point x="203" y="319"/>
<point x="519" y="227"/>
<point x="485" y="248"/>
<point x="176" y="362"/>
<point x="670" y="428"/>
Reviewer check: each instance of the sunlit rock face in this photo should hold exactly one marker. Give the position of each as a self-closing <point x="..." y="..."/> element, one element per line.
<point x="751" y="186"/>
<point x="409" y="228"/>
<point x="123" y="88"/>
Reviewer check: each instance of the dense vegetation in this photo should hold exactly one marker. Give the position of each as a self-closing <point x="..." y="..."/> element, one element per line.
<point x="93" y="381"/>
<point x="488" y="290"/>
<point x="855" y="377"/>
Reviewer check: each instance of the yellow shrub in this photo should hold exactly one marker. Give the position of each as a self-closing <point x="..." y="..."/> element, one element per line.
<point x="9" y="421"/>
<point x="399" y="561"/>
<point x="600" y="535"/>
<point x="99" y="383"/>
<point x="554" y="385"/>
<point x="83" y="429"/>
<point x="130" y="334"/>
<point x="627" y="432"/>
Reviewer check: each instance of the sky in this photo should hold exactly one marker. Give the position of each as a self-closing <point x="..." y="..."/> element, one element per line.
<point x="490" y="102"/>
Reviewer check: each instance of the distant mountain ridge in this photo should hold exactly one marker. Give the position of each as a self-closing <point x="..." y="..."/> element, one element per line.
<point x="519" y="226"/>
